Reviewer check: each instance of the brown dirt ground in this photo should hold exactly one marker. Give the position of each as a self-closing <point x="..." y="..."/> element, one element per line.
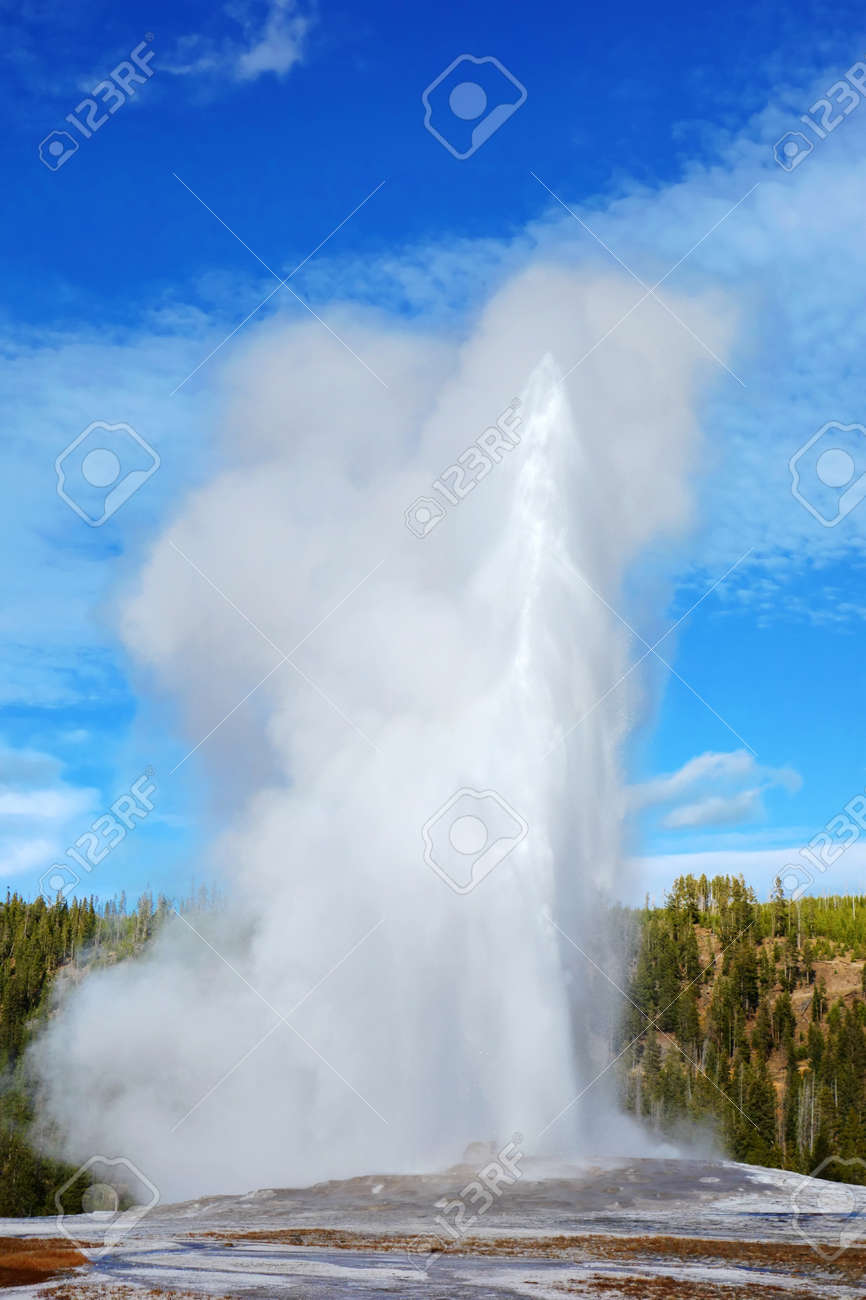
<point x="117" y="1291"/>
<point x="790" y="1258"/>
<point x="672" y="1288"/>
<point x="25" y="1261"/>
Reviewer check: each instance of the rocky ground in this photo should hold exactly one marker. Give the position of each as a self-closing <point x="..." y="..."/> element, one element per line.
<point x="652" y="1229"/>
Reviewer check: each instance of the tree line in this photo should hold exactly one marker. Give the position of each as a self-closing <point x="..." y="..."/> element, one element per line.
<point x="38" y="942"/>
<point x="744" y="1036"/>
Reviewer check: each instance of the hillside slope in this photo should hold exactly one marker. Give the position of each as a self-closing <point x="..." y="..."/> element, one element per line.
<point x="757" y="1024"/>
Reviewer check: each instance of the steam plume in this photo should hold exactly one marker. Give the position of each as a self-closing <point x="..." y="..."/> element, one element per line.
<point x="480" y="656"/>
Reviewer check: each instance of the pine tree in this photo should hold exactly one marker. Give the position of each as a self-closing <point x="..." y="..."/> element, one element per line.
<point x="729" y="1038"/>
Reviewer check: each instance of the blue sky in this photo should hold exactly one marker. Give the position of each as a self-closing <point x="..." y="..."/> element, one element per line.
<point x="291" y="125"/>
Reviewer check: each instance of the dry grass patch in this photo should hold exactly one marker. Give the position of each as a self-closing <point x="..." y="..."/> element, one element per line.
<point x="672" y="1288"/>
<point x="788" y="1258"/>
<point x="25" y="1261"/>
<point x="119" y="1291"/>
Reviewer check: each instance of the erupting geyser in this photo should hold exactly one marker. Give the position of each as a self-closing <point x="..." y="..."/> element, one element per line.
<point x="351" y="1012"/>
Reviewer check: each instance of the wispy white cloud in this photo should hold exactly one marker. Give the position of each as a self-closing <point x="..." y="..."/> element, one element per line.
<point x="51" y="805"/>
<point x="40" y="812"/>
<point x="53" y="635"/>
<point x="704" y="767"/>
<point x="22" y="856"/>
<point x="716" y="810"/>
<point x="272" y="39"/>
<point x="713" y="789"/>
<point x="26" y="767"/>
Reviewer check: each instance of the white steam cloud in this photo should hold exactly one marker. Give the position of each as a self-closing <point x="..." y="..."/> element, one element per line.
<point x="393" y="670"/>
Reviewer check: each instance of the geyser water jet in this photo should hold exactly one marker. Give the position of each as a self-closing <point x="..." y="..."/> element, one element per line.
<point x="351" y="1012"/>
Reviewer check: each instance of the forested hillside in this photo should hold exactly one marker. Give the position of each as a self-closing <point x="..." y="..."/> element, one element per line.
<point x="758" y="1023"/>
<point x="37" y="940"/>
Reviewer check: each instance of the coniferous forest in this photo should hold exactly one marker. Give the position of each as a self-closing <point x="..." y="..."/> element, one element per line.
<point x="758" y="1024"/>
<point x="744" y="1020"/>
<point x="42" y="943"/>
